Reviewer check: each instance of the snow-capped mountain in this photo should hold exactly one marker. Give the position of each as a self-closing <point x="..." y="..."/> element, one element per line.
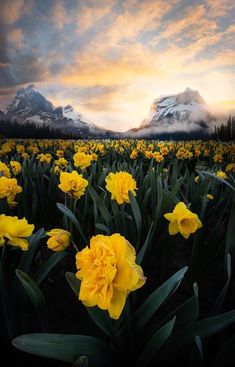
<point x="186" y="112"/>
<point x="29" y="105"/>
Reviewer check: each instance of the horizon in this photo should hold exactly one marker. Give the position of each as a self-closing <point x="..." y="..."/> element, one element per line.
<point x="111" y="59"/>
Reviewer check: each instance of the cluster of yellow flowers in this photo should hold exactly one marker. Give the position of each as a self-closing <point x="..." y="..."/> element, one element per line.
<point x="107" y="267"/>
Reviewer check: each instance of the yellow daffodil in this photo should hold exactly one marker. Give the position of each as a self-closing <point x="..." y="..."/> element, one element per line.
<point x="14" y="231"/>
<point x="25" y="155"/>
<point x="4" y="170"/>
<point x="108" y="273"/>
<point x="61" y="162"/>
<point x="119" y="184"/>
<point x="59" y="239"/>
<point x="8" y="189"/>
<point x="16" y="167"/>
<point x="82" y="160"/>
<point x="230" y="167"/>
<point x="221" y="174"/>
<point x="134" y="154"/>
<point x="182" y="220"/>
<point x="210" y="197"/>
<point x="44" y="158"/>
<point x="73" y="184"/>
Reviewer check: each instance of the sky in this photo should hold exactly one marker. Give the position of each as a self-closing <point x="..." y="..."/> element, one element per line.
<point x="110" y="59"/>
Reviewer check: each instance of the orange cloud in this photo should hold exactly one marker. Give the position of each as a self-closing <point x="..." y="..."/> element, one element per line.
<point x="89" y="16"/>
<point x="15" y="37"/>
<point x="193" y="16"/>
<point x="220" y="8"/>
<point x="92" y="68"/>
<point x="60" y="15"/>
<point x="13" y="10"/>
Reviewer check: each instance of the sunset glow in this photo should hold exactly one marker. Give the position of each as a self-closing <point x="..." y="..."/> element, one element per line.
<point x="110" y="58"/>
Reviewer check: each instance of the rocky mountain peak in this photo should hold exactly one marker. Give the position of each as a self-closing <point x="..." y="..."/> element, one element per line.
<point x="185" y="111"/>
<point x="29" y="105"/>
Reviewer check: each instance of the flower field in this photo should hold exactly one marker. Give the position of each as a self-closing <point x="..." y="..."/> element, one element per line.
<point x="117" y="252"/>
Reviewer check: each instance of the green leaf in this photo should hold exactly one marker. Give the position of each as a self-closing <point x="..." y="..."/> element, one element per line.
<point x="144" y="248"/>
<point x="171" y="196"/>
<point x="100" y="317"/>
<point x="196" y="354"/>
<point x="230" y="234"/>
<point x="48" y="265"/>
<point x="203" y="328"/>
<point x="220" y="299"/>
<point x="102" y="227"/>
<point x="67" y="348"/>
<point x="36" y="296"/>
<point x="67" y="212"/>
<point x="102" y="320"/>
<point x="155" y="343"/>
<point x="137" y="215"/>
<point x="73" y="282"/>
<point x="187" y="312"/>
<point x="210" y="174"/>
<point x="27" y="257"/>
<point x="199" y="345"/>
<point x="101" y="206"/>
<point x="155" y="300"/>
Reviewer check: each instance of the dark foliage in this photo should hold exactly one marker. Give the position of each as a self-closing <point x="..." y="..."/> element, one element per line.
<point x="225" y="132"/>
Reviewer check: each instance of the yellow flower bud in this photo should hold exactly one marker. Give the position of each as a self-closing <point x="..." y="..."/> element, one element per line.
<point x="59" y="239"/>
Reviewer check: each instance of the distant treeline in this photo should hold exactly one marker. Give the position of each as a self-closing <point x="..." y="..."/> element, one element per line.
<point x="225" y="132"/>
<point x="29" y="130"/>
<point x="14" y="129"/>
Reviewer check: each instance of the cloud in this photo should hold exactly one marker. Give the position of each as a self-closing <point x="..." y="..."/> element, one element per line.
<point x="135" y="19"/>
<point x="15" y="38"/>
<point x="26" y="69"/>
<point x="92" y="13"/>
<point x="192" y="24"/>
<point x="3" y="47"/>
<point x="59" y="15"/>
<point x="13" y="10"/>
<point x="220" y="8"/>
<point x="111" y="58"/>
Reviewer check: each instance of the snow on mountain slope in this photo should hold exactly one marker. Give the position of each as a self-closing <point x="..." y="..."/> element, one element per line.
<point x="29" y="105"/>
<point x="183" y="112"/>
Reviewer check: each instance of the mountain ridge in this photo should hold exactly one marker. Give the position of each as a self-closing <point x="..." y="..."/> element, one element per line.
<point x="184" y="113"/>
<point x="29" y="105"/>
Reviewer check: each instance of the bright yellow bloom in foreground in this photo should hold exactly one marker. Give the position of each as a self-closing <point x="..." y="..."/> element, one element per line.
<point x="119" y="184"/>
<point x="14" y="231"/>
<point x="182" y="220"/>
<point x="9" y="189"/>
<point x="73" y="184"/>
<point x="59" y="239"/>
<point x="82" y="160"/>
<point x="108" y="273"/>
